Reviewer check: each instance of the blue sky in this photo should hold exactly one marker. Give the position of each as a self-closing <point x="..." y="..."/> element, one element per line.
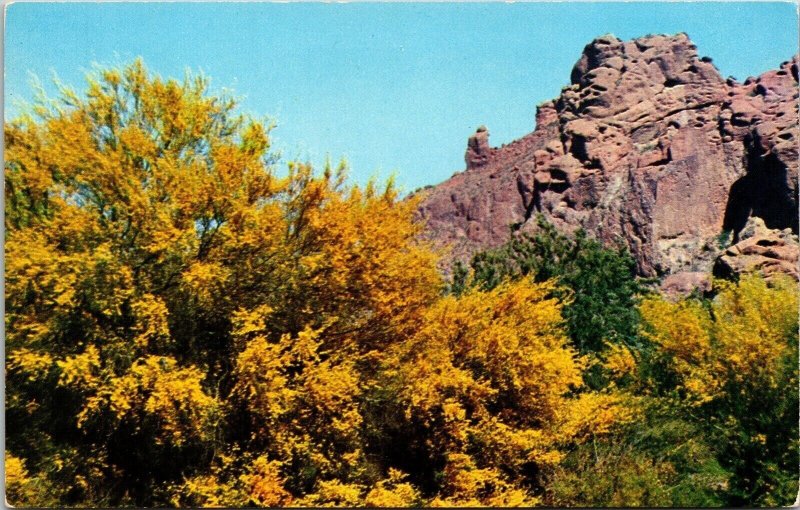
<point x="393" y="88"/>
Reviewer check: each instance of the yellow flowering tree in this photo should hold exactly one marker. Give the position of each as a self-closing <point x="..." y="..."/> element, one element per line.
<point x="495" y="388"/>
<point x="733" y="364"/>
<point x="169" y="296"/>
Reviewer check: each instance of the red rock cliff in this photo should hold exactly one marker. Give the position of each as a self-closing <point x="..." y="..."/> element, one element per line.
<point x="649" y="146"/>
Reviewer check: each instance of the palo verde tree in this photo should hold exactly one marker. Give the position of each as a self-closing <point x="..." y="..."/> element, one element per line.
<point x="158" y="268"/>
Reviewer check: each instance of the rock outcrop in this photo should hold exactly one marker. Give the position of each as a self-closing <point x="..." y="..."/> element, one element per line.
<point x="649" y="147"/>
<point x="767" y="251"/>
<point x="679" y="285"/>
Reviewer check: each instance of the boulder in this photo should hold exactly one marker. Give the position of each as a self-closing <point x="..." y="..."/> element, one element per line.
<point x="767" y="251"/>
<point x="680" y="285"/>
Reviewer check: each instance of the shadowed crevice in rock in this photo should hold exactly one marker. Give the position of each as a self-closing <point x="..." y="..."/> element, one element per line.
<point x="739" y="207"/>
<point x="768" y="191"/>
<point x="774" y="199"/>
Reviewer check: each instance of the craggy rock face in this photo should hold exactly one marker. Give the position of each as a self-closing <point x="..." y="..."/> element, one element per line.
<point x="648" y="147"/>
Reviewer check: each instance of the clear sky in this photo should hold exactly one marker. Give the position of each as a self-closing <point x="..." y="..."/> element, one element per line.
<point x="393" y="88"/>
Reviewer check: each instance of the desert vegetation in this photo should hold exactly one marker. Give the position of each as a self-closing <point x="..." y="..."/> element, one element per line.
<point x="191" y="323"/>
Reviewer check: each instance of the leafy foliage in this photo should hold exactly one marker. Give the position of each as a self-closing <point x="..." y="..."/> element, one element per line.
<point x="662" y="462"/>
<point x="599" y="282"/>
<point x="732" y="364"/>
<point x="190" y="325"/>
<point x="159" y="269"/>
<point x="487" y="379"/>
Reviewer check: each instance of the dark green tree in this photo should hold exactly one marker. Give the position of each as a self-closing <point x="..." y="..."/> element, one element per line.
<point x="600" y="282"/>
<point x="459" y="280"/>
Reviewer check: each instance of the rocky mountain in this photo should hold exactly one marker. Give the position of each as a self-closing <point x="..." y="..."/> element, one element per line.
<point x="649" y="147"/>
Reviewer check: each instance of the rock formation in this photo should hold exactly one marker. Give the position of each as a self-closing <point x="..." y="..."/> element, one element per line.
<point x="682" y="284"/>
<point x="649" y="147"/>
<point x="769" y="251"/>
